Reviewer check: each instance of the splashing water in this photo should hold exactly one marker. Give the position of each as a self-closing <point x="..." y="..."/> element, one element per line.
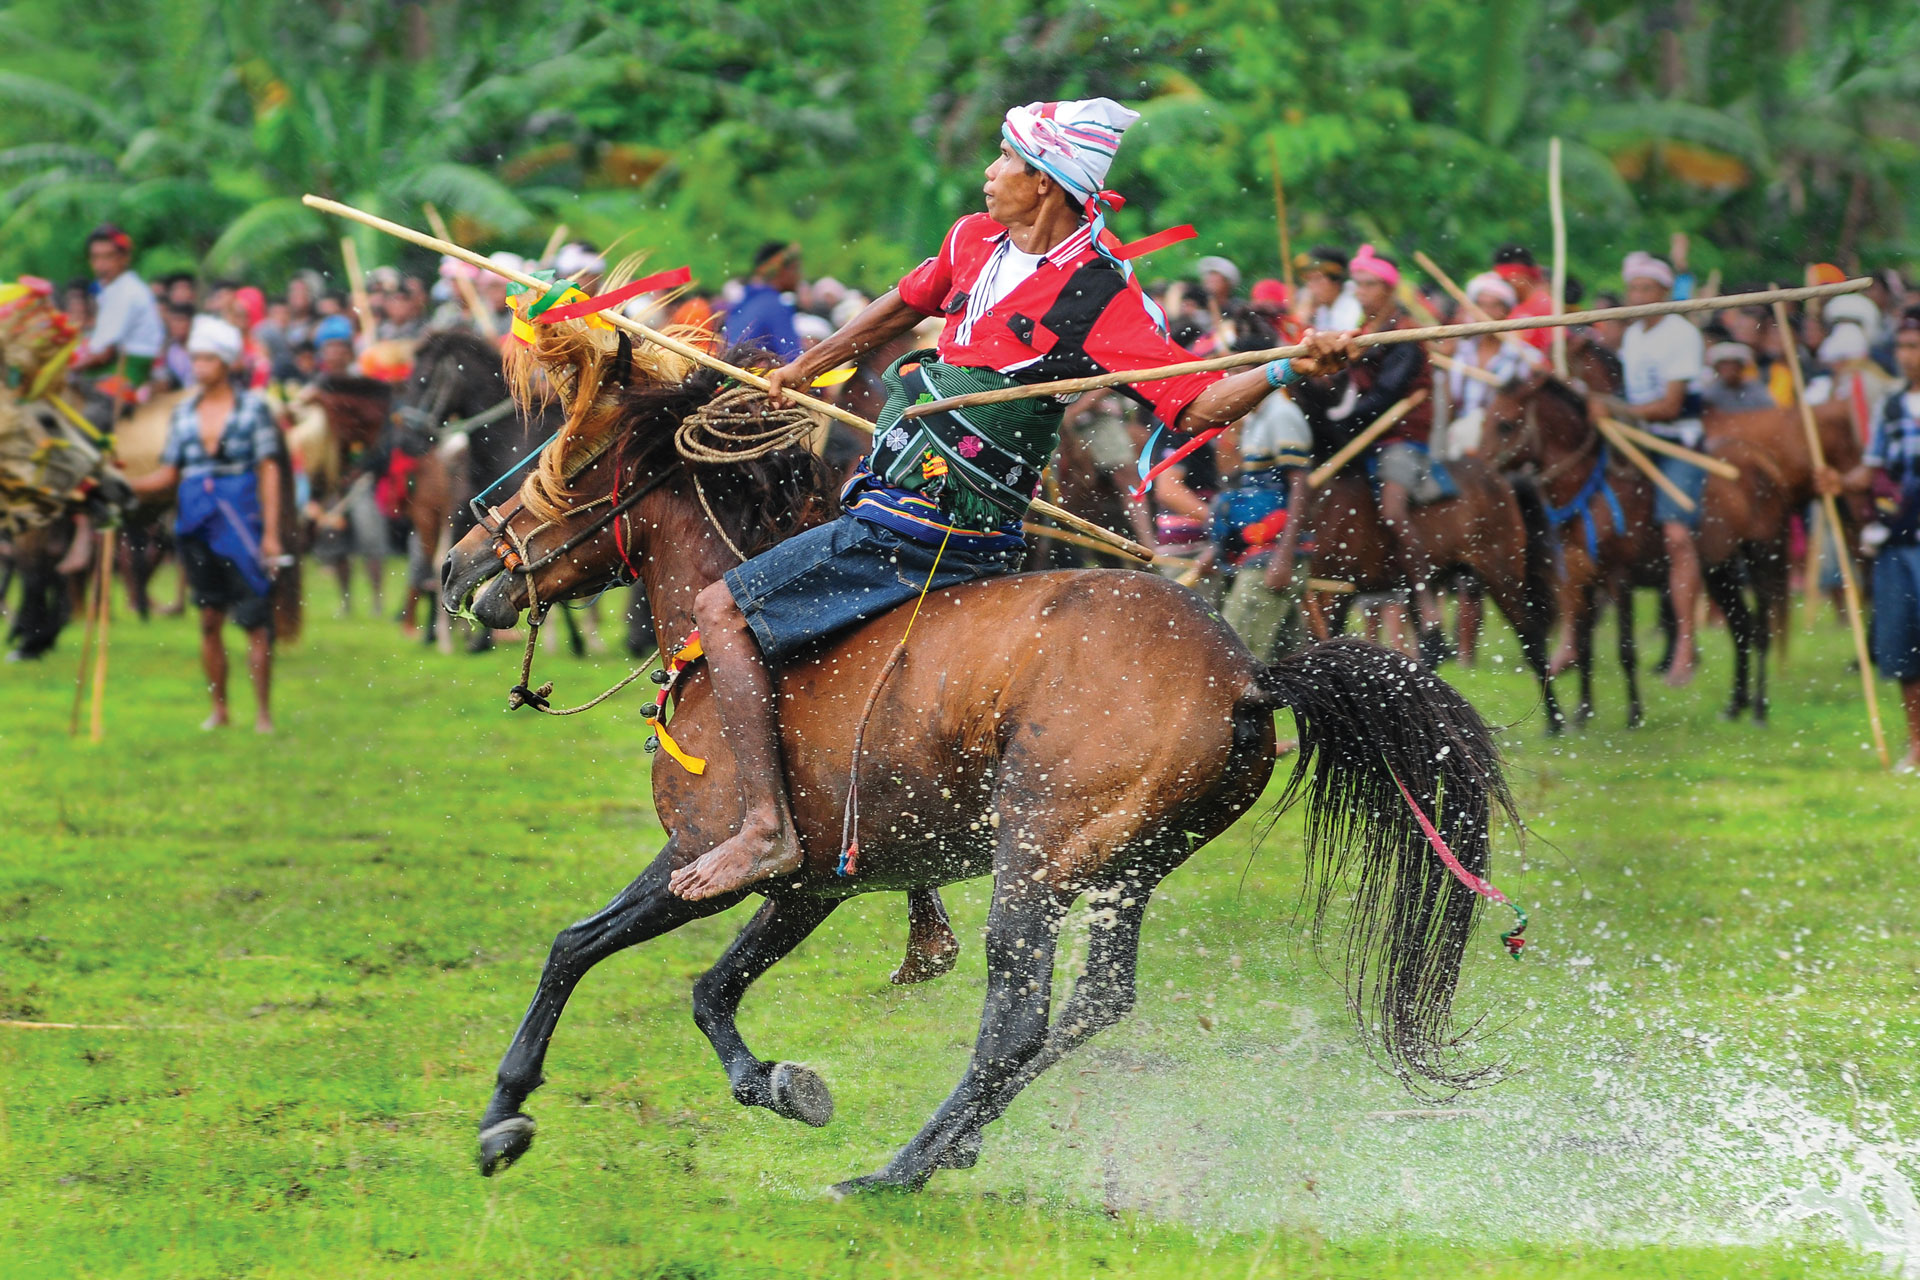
<point x="1251" y="1115"/>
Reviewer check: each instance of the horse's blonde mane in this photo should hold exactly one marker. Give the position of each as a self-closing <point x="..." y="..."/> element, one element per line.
<point x="568" y="363"/>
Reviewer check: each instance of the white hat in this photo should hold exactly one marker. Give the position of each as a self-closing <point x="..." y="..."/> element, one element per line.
<point x="1073" y="142"/>
<point x="812" y="328"/>
<point x="1644" y="266"/>
<point x="1856" y="308"/>
<point x="1737" y="351"/>
<point x="212" y="336"/>
<point x="1224" y="266"/>
<point x="1487" y="282"/>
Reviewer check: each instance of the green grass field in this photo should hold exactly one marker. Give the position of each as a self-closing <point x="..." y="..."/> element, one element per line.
<point x="302" y="957"/>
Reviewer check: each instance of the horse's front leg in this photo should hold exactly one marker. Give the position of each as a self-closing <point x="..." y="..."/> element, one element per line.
<point x="644" y="909"/>
<point x="1022" y="927"/>
<point x="786" y="1088"/>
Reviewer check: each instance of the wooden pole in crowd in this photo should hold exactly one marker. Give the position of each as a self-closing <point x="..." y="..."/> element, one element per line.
<point x="1354" y="447"/>
<point x="1125" y="546"/>
<point x="1850" y="588"/>
<point x="1387" y="338"/>
<point x="1445" y="281"/>
<point x="97" y="727"/>
<point x="461" y="285"/>
<point x="357" y="287"/>
<point x="1556" y="206"/>
<point x="554" y="242"/>
<point x="1280" y="214"/>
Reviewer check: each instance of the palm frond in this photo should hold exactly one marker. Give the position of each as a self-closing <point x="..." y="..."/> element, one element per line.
<point x="267" y="229"/>
<point x="35" y="93"/>
<point x="464" y="189"/>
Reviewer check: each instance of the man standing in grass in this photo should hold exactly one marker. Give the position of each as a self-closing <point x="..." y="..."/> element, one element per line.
<point x="1891" y="468"/>
<point x="222" y="455"/>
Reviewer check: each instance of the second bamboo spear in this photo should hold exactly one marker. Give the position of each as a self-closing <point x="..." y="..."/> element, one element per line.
<point x="1388" y="337"/>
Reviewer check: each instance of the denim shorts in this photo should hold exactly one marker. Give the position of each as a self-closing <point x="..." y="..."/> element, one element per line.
<point x="838" y="574"/>
<point x="1896" y="613"/>
<point x="1687" y="478"/>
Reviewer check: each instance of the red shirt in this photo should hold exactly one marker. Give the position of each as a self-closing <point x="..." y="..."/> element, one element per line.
<point x="1539" y="303"/>
<point x="1074" y="317"/>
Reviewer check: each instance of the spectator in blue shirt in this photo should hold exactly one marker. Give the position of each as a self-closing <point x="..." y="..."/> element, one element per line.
<point x="763" y="316"/>
<point x="222" y="455"/>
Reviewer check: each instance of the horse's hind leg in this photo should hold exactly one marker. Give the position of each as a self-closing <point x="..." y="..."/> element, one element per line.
<point x="1102" y="997"/>
<point x="1022" y="927"/>
<point x="644" y="909"/>
<point x="786" y="1088"/>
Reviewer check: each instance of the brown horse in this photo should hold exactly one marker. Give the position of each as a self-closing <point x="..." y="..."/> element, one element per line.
<point x="1483" y="535"/>
<point x="1007" y="741"/>
<point x="1745" y="524"/>
<point x="1600" y="507"/>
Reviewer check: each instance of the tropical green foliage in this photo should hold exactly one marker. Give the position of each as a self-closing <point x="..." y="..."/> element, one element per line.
<point x="1774" y="131"/>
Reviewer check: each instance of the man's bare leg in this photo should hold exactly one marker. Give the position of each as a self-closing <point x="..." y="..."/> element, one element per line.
<point x="260" y="669"/>
<point x="766" y="844"/>
<point x="1396" y="508"/>
<point x="80" y="550"/>
<point x="1683" y="581"/>
<point x="213" y="660"/>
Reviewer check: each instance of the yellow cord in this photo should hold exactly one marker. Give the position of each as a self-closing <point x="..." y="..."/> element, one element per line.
<point x="915" y="616"/>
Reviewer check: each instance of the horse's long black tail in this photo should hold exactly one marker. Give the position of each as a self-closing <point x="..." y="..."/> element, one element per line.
<point x="1367" y="716"/>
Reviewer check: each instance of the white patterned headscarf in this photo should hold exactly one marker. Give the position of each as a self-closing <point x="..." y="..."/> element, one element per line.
<point x="1071" y="142"/>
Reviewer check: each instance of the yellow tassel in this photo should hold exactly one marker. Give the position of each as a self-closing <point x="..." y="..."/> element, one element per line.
<point x="692" y="764"/>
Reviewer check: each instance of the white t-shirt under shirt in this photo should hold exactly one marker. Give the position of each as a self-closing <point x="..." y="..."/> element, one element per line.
<point x="1655" y="355"/>
<point x="127" y="317"/>
<point x="1342" y="313"/>
<point x="1005" y="271"/>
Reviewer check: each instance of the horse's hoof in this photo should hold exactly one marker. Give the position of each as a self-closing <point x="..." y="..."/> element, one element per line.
<point x="962" y="1153"/>
<point x="505" y="1142"/>
<point x="924" y="963"/>
<point x="868" y="1184"/>
<point x="799" y="1094"/>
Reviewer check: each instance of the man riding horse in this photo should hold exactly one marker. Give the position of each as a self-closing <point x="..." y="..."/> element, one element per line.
<point x="1033" y="290"/>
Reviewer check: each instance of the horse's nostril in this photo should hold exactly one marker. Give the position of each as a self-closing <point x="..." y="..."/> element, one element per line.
<point x="446" y="573"/>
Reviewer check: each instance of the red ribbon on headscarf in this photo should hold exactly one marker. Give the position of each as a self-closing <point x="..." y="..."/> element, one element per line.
<point x="625" y="293"/>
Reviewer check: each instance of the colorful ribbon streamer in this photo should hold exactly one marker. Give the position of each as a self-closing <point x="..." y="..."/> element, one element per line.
<point x="1512" y="938"/>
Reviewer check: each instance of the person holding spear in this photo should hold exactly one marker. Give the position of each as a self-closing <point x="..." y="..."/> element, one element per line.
<point x="1661" y="359"/>
<point x="1892" y="468"/>
<point x="1032" y="289"/>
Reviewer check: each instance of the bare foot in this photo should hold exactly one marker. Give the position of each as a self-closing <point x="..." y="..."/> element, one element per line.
<point x="1562" y="661"/>
<point x="931" y="951"/>
<point x="218" y="720"/>
<point x="747" y="858"/>
<point x="1680" y="674"/>
<point x="263" y="724"/>
<point x="1911" y="764"/>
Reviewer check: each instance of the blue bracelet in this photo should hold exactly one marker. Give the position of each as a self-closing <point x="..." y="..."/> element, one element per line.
<point x="1280" y="373"/>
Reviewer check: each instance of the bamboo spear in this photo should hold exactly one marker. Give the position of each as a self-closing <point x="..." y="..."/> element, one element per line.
<point x="1706" y="462"/>
<point x="1280" y="215"/>
<point x="1125" y="546"/>
<point x="1631" y="452"/>
<point x="462" y="285"/>
<point x="1850" y="588"/>
<point x="1352" y="448"/>
<point x="1556" y="206"/>
<point x="357" y="288"/>
<point x="1445" y="281"/>
<point x="1389" y="337"/>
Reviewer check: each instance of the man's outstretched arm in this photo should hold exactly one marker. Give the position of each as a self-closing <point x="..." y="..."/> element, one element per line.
<point x="883" y="320"/>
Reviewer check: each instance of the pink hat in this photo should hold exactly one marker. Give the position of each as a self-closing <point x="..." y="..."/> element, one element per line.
<point x="1366" y="263"/>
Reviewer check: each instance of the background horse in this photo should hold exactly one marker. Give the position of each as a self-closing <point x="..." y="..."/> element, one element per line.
<point x="1745" y="526"/>
<point x="1484" y="534"/>
<point x="1005" y="742"/>
<point x="1599" y="506"/>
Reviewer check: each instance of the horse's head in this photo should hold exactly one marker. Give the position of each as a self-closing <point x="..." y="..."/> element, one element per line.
<point x="612" y="492"/>
<point x="1535" y="421"/>
<point x="455" y="374"/>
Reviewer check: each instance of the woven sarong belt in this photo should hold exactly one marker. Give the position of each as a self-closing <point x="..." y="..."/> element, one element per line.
<point x="925" y="453"/>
